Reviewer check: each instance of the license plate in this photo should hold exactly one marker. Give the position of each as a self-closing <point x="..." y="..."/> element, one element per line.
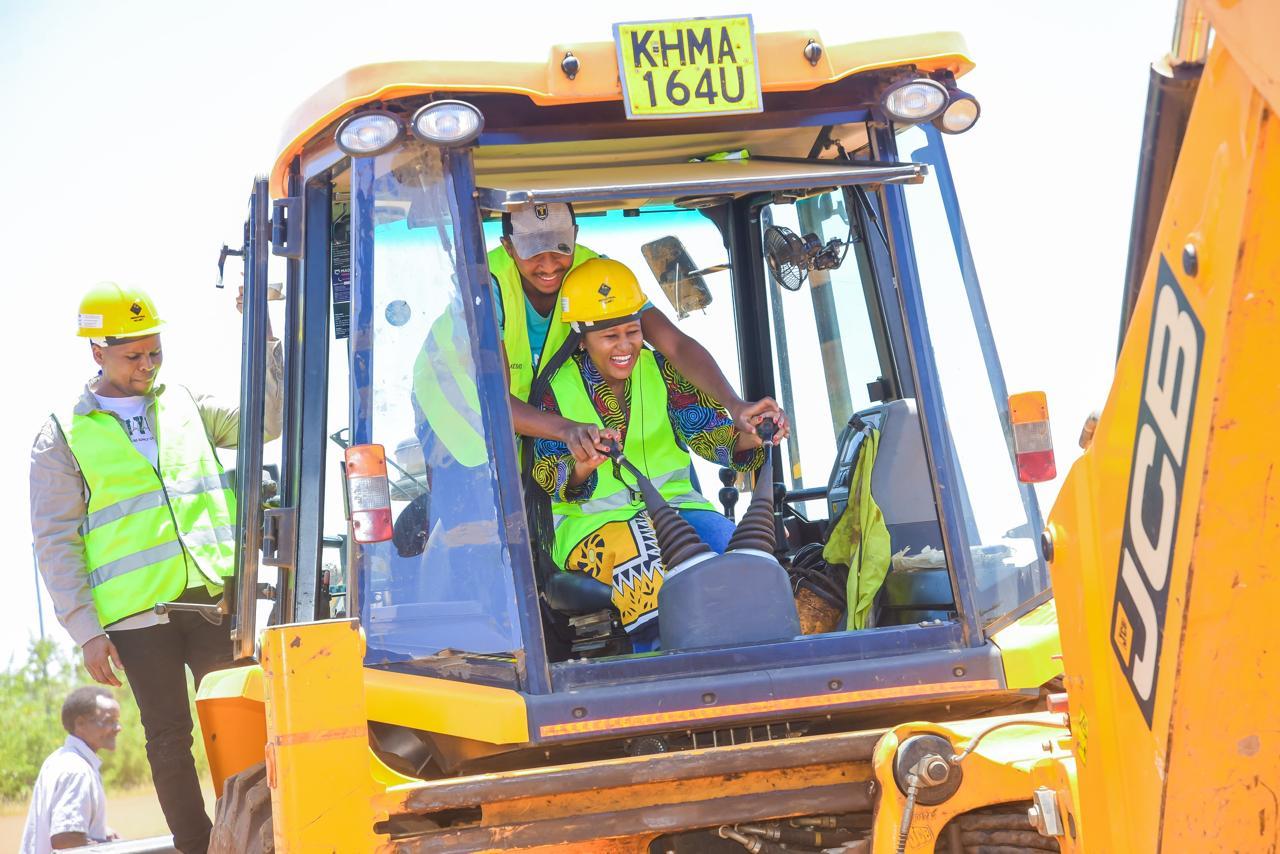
<point x="692" y="67"/>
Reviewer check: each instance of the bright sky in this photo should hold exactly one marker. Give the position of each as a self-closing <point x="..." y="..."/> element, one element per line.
<point x="133" y="130"/>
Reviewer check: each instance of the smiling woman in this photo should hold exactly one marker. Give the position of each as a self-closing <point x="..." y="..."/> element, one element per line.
<point x="639" y="402"/>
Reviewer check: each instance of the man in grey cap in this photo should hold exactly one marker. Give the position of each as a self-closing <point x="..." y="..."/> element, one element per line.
<point x="539" y="247"/>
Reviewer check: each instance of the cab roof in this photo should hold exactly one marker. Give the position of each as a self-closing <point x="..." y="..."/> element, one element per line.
<point x="783" y="68"/>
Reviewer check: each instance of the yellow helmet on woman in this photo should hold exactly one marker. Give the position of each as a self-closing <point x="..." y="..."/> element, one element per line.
<point x="109" y="311"/>
<point x="600" y="293"/>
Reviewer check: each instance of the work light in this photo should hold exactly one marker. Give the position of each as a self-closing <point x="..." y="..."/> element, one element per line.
<point x="961" y="113"/>
<point x="914" y="101"/>
<point x="370" y="133"/>
<point x="448" y="123"/>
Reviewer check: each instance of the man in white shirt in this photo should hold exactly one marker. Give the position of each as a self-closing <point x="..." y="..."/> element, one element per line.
<point x="68" y="805"/>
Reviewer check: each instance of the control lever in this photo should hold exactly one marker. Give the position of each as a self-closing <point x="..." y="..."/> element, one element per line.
<point x="614" y="452"/>
<point x="212" y="613"/>
<point x="729" y="493"/>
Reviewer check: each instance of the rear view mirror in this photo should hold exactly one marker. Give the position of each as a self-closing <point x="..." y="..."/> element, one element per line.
<point x="680" y="278"/>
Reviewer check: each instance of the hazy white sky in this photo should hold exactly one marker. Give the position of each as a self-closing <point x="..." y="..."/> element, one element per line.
<point x="132" y="132"/>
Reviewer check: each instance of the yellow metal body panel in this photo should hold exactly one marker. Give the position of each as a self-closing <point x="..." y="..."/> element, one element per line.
<point x="232" y="721"/>
<point x="783" y="68"/>
<point x="480" y="712"/>
<point x="1030" y="648"/>
<point x="998" y="771"/>
<point x="1167" y="529"/>
<point x="317" y="737"/>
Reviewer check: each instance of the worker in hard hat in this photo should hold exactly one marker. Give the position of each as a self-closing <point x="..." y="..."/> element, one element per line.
<point x="538" y="247"/>
<point x="637" y="397"/>
<point x="130" y="507"/>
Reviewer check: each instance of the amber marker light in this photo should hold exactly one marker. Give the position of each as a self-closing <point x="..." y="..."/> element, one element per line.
<point x="368" y="493"/>
<point x="1032" y="441"/>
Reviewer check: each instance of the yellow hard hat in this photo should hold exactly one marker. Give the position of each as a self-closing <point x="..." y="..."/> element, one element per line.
<point x="111" y="311"/>
<point x="599" y="293"/>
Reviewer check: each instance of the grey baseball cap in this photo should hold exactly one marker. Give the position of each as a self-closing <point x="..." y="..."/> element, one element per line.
<point x="543" y="227"/>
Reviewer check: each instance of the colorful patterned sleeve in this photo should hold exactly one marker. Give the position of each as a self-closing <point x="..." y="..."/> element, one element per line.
<point x="702" y="424"/>
<point x="553" y="463"/>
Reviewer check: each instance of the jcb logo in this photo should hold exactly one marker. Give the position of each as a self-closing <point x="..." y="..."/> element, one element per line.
<point x="1155" y="487"/>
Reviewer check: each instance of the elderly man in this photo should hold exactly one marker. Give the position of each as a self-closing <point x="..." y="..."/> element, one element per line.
<point x="68" y="805"/>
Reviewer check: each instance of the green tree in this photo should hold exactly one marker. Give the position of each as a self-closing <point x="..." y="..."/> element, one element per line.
<point x="31" y="695"/>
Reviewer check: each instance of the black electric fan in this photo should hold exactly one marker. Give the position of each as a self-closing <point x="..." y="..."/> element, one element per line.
<point x="791" y="257"/>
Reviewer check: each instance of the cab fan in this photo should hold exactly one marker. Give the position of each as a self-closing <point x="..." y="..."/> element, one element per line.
<point x="791" y="257"/>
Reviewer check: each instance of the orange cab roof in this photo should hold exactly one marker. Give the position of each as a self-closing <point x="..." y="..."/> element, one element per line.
<point x="783" y="68"/>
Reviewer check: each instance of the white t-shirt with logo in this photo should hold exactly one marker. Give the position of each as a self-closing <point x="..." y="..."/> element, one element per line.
<point x="132" y="412"/>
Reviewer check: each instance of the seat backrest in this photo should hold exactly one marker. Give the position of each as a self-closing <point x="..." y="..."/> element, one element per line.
<point x="900" y="481"/>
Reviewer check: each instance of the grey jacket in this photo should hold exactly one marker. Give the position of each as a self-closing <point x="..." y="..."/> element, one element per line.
<point x="59" y="496"/>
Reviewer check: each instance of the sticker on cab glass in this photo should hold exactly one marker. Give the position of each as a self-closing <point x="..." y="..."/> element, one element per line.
<point x="691" y="67"/>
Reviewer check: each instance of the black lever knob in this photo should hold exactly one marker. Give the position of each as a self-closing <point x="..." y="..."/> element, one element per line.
<point x="766" y="430"/>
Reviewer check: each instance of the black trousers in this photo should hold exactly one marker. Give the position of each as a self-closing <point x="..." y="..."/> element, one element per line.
<point x="155" y="660"/>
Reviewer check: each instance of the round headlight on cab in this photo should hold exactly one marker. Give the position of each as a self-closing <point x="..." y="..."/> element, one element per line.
<point x="915" y="101"/>
<point x="367" y="134"/>
<point x="961" y="113"/>
<point x="448" y="123"/>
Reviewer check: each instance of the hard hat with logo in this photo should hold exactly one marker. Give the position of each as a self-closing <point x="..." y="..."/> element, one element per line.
<point x="110" y="312"/>
<point x="600" y="293"/>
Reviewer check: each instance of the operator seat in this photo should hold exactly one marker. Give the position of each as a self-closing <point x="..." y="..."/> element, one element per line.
<point x="903" y="489"/>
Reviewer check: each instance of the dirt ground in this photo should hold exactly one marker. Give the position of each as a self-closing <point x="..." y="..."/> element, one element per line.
<point x="133" y="814"/>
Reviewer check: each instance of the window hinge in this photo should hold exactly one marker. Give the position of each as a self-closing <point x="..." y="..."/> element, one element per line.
<point x="286" y="227"/>
<point x="278" y="524"/>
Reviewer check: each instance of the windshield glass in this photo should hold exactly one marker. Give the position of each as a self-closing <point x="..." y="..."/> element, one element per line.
<point x="701" y="305"/>
<point x="1001" y="519"/>
<point x="444" y="582"/>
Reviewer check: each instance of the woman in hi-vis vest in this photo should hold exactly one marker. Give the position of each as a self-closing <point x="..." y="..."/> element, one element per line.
<point x="130" y="507"/>
<point x="636" y="397"/>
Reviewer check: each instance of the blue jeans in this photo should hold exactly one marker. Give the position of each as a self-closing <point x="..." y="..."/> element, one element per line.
<point x="715" y="530"/>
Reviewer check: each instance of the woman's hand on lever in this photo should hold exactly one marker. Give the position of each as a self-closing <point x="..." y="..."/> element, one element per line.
<point x="588" y="443"/>
<point x="600" y="441"/>
<point x="749" y="419"/>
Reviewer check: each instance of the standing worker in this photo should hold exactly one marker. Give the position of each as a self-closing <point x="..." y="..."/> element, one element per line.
<point x="130" y="507"/>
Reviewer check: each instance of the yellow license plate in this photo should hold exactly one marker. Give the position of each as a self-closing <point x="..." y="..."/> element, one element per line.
<point x="694" y="67"/>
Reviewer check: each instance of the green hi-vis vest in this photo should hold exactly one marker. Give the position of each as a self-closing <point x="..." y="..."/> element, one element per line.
<point x="515" y="332"/>
<point x="148" y="534"/>
<point x="445" y="388"/>
<point x="650" y="445"/>
<point x="860" y="538"/>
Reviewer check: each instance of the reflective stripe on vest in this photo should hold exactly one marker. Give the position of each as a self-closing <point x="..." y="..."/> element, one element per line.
<point x="650" y="445"/>
<point x="148" y="534"/>
<point x="515" y="327"/>
<point x="445" y="389"/>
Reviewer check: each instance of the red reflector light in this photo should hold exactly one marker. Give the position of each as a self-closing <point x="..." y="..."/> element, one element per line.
<point x="1032" y="440"/>
<point x="1037" y="467"/>
<point x="1056" y="703"/>
<point x="368" y="493"/>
